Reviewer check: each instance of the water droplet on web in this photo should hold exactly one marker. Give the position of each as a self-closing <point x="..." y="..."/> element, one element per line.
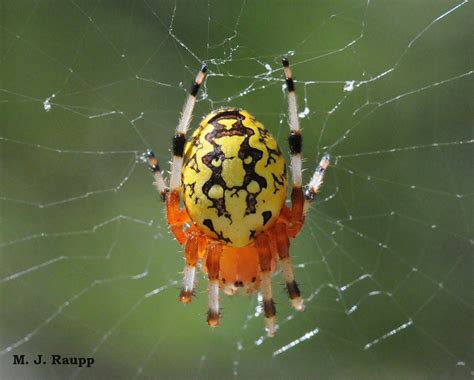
<point x="349" y="86"/>
<point x="47" y="105"/>
<point x="303" y="114"/>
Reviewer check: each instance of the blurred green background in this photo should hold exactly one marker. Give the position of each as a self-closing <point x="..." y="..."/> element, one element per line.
<point x="87" y="265"/>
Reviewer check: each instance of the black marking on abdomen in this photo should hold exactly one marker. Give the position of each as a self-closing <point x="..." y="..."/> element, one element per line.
<point x="208" y="223"/>
<point x="272" y="153"/>
<point x="278" y="183"/>
<point x="245" y="151"/>
<point x="191" y="187"/>
<point x="266" y="216"/>
<point x="226" y="114"/>
<point x="251" y="201"/>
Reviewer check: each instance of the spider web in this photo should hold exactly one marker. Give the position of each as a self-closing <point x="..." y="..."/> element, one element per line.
<point x="88" y="267"/>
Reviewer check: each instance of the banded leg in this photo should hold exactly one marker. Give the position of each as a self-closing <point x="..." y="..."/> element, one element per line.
<point x="265" y="259"/>
<point x="315" y="183"/>
<point x="154" y="166"/>
<point x="282" y="246"/>
<point x="191" y="252"/>
<point x="295" y="142"/>
<point x="214" y="251"/>
<point x="176" y="216"/>
<point x="179" y="139"/>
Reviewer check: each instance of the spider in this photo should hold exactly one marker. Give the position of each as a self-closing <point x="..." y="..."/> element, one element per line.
<point x="232" y="178"/>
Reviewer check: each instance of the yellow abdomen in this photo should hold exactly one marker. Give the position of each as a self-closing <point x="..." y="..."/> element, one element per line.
<point x="233" y="178"/>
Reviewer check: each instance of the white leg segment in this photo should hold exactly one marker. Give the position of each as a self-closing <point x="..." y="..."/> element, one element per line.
<point x="269" y="308"/>
<point x="188" y="280"/>
<point x="213" y="303"/>
<point x="295" y="139"/>
<point x="293" y="112"/>
<point x="175" y="179"/>
<point x="159" y="182"/>
<point x="296" y="170"/>
<point x="186" y="115"/>
<point x="316" y="181"/>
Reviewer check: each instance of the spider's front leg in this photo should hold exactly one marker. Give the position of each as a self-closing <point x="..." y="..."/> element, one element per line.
<point x="295" y="142"/>
<point x="300" y="201"/>
<point x="177" y="217"/>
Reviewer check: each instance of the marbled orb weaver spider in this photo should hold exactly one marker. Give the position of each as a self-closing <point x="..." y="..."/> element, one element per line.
<point x="232" y="179"/>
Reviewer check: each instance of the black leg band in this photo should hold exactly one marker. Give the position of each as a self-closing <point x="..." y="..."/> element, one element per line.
<point x="178" y="144"/>
<point x="194" y="89"/>
<point x="295" y="142"/>
<point x="269" y="308"/>
<point x="290" y="85"/>
<point x="293" y="290"/>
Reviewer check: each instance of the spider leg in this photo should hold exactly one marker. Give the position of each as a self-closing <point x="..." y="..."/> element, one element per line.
<point x="315" y="183"/>
<point x="295" y="138"/>
<point x="282" y="246"/>
<point x="191" y="251"/>
<point x="265" y="259"/>
<point x="176" y="216"/>
<point x="214" y="250"/>
<point x="179" y="139"/>
<point x="159" y="183"/>
<point x="295" y="142"/>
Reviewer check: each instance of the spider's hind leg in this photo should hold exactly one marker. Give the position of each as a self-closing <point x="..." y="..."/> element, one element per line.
<point x="265" y="260"/>
<point x="191" y="251"/>
<point x="213" y="256"/>
<point x="282" y="246"/>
